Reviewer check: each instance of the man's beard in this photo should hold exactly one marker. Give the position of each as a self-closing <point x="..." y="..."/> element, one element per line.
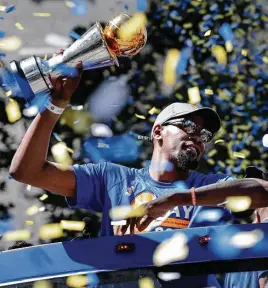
<point x="184" y="161"/>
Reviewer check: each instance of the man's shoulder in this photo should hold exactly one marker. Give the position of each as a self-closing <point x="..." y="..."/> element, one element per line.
<point x="119" y="170"/>
<point x="206" y="179"/>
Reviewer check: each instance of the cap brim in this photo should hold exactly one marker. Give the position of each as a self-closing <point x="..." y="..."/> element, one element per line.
<point x="211" y="118"/>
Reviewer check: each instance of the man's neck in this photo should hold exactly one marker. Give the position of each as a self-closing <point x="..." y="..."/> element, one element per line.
<point x="165" y="171"/>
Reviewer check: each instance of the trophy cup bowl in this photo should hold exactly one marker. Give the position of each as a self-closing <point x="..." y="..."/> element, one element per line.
<point x="96" y="48"/>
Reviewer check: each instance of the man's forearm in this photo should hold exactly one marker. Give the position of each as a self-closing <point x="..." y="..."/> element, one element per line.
<point x="31" y="155"/>
<point x="214" y="194"/>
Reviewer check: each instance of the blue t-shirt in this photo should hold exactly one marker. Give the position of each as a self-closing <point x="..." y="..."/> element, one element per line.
<point x="243" y="279"/>
<point x="103" y="186"/>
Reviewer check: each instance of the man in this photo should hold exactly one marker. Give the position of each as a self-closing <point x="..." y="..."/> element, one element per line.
<point x="170" y="183"/>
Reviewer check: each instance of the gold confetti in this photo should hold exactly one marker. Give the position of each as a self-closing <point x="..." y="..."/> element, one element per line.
<point x="32" y="210"/>
<point x="140" y="116"/>
<point x="238" y="203"/>
<point x="70" y="4"/>
<point x="73" y="225"/>
<point x="43" y="197"/>
<point x="19" y="26"/>
<point x="29" y="222"/>
<point x="154" y="111"/>
<point x="265" y="59"/>
<point x="42" y="284"/>
<point x="239" y="155"/>
<point x="60" y="154"/>
<point x="228" y="46"/>
<point x="194" y="95"/>
<point x="127" y="211"/>
<point x="13" y="111"/>
<point x="172" y="249"/>
<point x="51" y="231"/>
<point x="136" y="212"/>
<point x="132" y="26"/>
<point x="209" y="92"/>
<point x="2" y="8"/>
<point x="207" y="33"/>
<point x="219" y="141"/>
<point x="77" y="281"/>
<point x="220" y="54"/>
<point x="41" y="14"/>
<point x="170" y="65"/>
<point x="18" y="235"/>
<point x="246" y="239"/>
<point x="70" y="150"/>
<point x="146" y="282"/>
<point x="244" y="52"/>
<point x="119" y="212"/>
<point x="11" y="43"/>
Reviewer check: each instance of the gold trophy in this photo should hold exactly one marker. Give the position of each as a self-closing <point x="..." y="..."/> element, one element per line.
<point x="96" y="48"/>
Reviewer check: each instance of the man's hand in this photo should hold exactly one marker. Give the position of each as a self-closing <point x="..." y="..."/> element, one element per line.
<point x="64" y="87"/>
<point x="150" y="211"/>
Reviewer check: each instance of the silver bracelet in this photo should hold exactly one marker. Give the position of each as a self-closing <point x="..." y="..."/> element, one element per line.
<point x="54" y="109"/>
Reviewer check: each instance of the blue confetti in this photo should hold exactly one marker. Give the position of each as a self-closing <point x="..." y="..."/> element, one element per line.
<point x="80" y="8"/>
<point x="2" y="34"/>
<point x="226" y="32"/>
<point x="183" y="61"/>
<point x="74" y="35"/>
<point x="10" y="9"/>
<point x="141" y="5"/>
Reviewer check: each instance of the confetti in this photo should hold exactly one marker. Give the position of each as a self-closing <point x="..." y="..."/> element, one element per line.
<point x="43" y="284"/>
<point x="32" y="210"/>
<point x="170" y="250"/>
<point x="41" y="14"/>
<point x="51" y="231"/>
<point x="17" y="235"/>
<point x="146" y="282"/>
<point x="77" y="281"/>
<point x="194" y="95"/>
<point x="169" y="276"/>
<point x="238" y="203"/>
<point x="248" y="239"/>
<point x="13" y="111"/>
<point x="220" y="54"/>
<point x="60" y="153"/>
<point x="169" y="72"/>
<point x="141" y="5"/>
<point x="73" y="225"/>
<point x="11" y="43"/>
<point x="19" y="26"/>
<point x="140" y="116"/>
<point x="239" y="155"/>
<point x="265" y="140"/>
<point x="43" y="197"/>
<point x="10" y="9"/>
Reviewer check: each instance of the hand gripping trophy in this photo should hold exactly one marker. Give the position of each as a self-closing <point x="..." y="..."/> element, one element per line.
<point x="96" y="48"/>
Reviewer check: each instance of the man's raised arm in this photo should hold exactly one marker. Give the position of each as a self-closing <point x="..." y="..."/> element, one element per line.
<point x="29" y="164"/>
